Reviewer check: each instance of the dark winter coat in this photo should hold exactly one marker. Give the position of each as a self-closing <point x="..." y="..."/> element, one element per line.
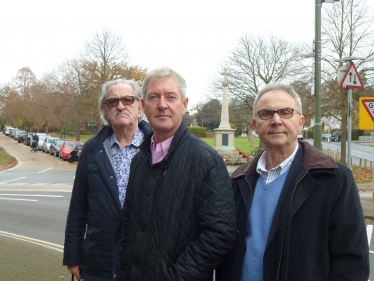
<point x="95" y="203"/>
<point x="318" y="231"/>
<point x="179" y="214"/>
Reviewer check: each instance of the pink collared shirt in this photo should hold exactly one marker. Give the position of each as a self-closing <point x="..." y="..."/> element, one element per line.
<point x="160" y="150"/>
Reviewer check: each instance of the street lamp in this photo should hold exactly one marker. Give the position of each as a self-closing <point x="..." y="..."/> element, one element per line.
<point x="317" y="129"/>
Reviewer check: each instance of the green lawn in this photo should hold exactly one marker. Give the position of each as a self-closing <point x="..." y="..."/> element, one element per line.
<point x="240" y="143"/>
<point x="83" y="139"/>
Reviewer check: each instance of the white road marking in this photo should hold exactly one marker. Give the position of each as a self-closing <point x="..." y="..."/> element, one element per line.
<point x="15" y="199"/>
<point x="369" y="231"/>
<point x="32" y="195"/>
<point x="45" y="170"/>
<point x="14" y="179"/>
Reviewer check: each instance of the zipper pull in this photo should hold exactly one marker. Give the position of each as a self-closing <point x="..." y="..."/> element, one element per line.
<point x="164" y="173"/>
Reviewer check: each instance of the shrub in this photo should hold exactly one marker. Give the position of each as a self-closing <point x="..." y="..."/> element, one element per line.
<point x="197" y="131"/>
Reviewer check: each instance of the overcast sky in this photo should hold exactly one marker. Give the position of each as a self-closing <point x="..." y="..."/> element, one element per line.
<point x="193" y="37"/>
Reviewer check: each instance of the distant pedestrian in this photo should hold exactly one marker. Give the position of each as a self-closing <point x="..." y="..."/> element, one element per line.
<point x="35" y="139"/>
<point x="95" y="215"/>
<point x="299" y="212"/>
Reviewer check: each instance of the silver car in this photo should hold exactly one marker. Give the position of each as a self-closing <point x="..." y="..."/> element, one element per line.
<point x="47" y="143"/>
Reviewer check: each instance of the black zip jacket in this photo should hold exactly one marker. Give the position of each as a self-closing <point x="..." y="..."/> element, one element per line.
<point x="318" y="230"/>
<point x="179" y="214"/>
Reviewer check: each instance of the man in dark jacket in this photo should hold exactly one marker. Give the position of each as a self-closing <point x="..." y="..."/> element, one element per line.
<point x="299" y="212"/>
<point x="95" y="214"/>
<point x="179" y="211"/>
<point x="35" y="141"/>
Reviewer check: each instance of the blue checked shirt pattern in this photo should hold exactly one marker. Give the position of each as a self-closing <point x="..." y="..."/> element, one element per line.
<point x="122" y="160"/>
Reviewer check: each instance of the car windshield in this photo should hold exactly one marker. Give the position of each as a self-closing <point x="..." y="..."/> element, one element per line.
<point x="72" y="144"/>
<point x="59" y="142"/>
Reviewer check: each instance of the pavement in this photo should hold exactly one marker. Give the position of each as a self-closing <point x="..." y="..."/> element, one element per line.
<point x="20" y="260"/>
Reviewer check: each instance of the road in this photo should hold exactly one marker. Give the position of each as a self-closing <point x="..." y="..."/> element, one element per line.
<point x="359" y="150"/>
<point x="35" y="195"/>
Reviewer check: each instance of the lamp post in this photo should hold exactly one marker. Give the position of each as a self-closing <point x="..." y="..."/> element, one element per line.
<point x="317" y="129"/>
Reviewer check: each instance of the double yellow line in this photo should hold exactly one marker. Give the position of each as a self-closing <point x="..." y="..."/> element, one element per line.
<point x="34" y="241"/>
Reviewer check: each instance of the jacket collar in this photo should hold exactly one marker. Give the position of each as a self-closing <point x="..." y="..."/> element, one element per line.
<point x="313" y="159"/>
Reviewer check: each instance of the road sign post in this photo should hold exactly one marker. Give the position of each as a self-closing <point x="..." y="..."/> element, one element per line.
<point x="351" y="80"/>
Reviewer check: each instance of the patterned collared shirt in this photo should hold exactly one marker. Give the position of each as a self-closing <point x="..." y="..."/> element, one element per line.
<point x="122" y="160"/>
<point x="271" y="175"/>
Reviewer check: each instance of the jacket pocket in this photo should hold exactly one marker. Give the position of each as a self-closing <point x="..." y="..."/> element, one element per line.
<point x="93" y="232"/>
<point x="92" y="168"/>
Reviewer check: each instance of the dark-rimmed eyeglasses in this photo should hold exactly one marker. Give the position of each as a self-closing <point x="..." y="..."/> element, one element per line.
<point x="284" y="113"/>
<point x="126" y="100"/>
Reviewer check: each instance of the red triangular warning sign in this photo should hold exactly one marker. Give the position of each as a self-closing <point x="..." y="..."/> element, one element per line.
<point x="351" y="78"/>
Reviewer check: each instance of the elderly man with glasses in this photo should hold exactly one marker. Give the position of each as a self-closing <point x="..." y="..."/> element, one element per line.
<point x="95" y="215"/>
<point x="299" y="212"/>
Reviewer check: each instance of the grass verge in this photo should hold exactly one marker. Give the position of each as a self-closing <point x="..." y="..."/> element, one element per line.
<point x="6" y="160"/>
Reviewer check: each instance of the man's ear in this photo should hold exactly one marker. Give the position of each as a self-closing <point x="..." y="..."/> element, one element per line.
<point x="185" y="104"/>
<point x="254" y="124"/>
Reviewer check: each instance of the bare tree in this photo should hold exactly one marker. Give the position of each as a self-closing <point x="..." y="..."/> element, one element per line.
<point x="70" y="85"/>
<point x="257" y="61"/>
<point x="106" y="55"/>
<point x="347" y="30"/>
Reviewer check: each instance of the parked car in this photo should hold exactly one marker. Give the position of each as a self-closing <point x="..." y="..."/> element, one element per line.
<point x="300" y="136"/>
<point x="29" y="136"/>
<point x="16" y="132"/>
<point x="10" y="134"/>
<point x="41" y="140"/>
<point x="335" y="137"/>
<point x="55" y="147"/>
<point x="47" y="144"/>
<point x="21" y="136"/>
<point x="326" y="137"/>
<point x="6" y="130"/>
<point x="66" y="147"/>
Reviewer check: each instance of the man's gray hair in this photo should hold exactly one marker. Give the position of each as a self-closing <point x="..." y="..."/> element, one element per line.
<point x="278" y="87"/>
<point x="104" y="92"/>
<point x="161" y="73"/>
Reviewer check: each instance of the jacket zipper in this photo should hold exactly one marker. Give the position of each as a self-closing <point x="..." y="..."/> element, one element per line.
<point x="285" y="226"/>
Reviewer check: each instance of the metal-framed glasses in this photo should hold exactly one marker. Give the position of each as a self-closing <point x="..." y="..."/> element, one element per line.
<point x="126" y="100"/>
<point x="284" y="113"/>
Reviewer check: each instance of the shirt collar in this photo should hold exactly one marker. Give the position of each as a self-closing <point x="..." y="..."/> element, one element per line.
<point x="261" y="165"/>
<point x="136" y="140"/>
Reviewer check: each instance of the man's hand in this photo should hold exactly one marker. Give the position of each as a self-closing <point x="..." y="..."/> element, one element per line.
<point x="75" y="269"/>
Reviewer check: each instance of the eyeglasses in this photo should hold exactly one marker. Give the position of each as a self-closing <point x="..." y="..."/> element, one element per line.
<point x="126" y="100"/>
<point x="284" y="113"/>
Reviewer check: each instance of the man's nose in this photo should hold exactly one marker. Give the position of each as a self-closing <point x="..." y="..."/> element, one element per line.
<point x="120" y="105"/>
<point x="162" y="103"/>
<point x="276" y="118"/>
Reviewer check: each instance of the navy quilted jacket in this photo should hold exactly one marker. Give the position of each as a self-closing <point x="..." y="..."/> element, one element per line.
<point x="179" y="214"/>
<point x="94" y="202"/>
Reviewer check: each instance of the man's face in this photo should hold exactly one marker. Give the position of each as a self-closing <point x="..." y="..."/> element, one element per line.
<point x="277" y="133"/>
<point x="122" y="115"/>
<point x="164" y="107"/>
